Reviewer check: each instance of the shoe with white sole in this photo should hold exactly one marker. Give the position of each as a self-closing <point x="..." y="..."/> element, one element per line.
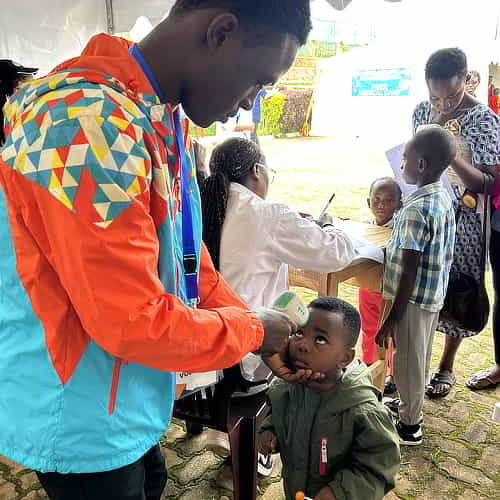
<point x="265" y="465"/>
<point x="409" y="435"/>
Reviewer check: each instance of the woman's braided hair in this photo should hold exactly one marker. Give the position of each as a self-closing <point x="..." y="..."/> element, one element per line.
<point x="231" y="161"/>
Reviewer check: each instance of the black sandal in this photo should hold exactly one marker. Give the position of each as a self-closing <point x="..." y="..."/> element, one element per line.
<point x="448" y="379"/>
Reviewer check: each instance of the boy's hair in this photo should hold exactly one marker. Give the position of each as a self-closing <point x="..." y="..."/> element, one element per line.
<point x="444" y="64"/>
<point x="352" y="320"/>
<point x="263" y="18"/>
<point x="436" y="145"/>
<point x="387" y="180"/>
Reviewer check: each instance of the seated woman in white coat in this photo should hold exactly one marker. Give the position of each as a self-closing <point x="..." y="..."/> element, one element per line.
<point x="252" y="239"/>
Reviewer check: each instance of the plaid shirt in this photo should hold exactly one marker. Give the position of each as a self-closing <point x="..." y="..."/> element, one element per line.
<point x="426" y="223"/>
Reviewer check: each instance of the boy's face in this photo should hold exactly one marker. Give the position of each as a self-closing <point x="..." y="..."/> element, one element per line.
<point x="320" y="346"/>
<point x="411" y="165"/>
<point x="384" y="200"/>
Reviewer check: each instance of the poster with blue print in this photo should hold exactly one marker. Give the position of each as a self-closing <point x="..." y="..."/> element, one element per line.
<point x="381" y="82"/>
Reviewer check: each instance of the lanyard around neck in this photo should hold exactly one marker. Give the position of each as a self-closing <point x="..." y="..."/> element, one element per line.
<point x="189" y="258"/>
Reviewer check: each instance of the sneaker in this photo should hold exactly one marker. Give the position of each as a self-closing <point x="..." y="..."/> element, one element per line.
<point x="218" y="442"/>
<point x="392" y="404"/>
<point x="409" y="435"/>
<point x="265" y="465"/>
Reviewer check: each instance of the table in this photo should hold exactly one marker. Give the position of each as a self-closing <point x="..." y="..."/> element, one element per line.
<point x="363" y="273"/>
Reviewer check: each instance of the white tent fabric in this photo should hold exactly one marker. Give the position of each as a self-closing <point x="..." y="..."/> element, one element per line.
<point x="125" y="12"/>
<point x="43" y="34"/>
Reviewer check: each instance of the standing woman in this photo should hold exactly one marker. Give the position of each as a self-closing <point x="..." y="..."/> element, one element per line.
<point x="11" y="75"/>
<point x="477" y="130"/>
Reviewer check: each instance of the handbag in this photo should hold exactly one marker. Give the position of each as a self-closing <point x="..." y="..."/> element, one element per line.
<point x="466" y="304"/>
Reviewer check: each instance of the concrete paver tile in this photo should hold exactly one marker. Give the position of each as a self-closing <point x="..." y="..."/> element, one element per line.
<point x="196" y="467"/>
<point x="464" y="473"/>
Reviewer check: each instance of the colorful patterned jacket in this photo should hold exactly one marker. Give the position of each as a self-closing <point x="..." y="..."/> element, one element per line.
<point x="92" y="313"/>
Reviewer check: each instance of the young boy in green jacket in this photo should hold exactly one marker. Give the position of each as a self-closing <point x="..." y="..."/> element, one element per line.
<point x="336" y="439"/>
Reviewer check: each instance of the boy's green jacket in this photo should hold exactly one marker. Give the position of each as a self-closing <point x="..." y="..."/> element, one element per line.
<point x="362" y="445"/>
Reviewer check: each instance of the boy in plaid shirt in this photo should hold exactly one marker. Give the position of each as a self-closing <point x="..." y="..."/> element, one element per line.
<point x="418" y="260"/>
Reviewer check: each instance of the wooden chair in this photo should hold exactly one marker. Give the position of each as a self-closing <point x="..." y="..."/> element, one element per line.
<point x="237" y="407"/>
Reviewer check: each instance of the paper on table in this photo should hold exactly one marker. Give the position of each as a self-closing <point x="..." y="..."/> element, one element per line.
<point x="363" y="248"/>
<point x="394" y="157"/>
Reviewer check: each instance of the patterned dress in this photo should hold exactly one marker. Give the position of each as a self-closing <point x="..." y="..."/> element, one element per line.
<point x="478" y="134"/>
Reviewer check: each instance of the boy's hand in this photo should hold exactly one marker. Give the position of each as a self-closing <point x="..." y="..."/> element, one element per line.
<point x="325" y="494"/>
<point x="267" y="443"/>
<point x="386" y="332"/>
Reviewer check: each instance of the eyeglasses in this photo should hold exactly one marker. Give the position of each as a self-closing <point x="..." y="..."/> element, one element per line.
<point x="271" y="173"/>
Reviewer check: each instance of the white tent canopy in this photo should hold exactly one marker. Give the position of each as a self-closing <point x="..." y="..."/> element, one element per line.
<point x="42" y="34"/>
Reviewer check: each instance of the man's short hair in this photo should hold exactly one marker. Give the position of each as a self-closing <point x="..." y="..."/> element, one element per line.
<point x="351" y="318"/>
<point x="262" y="18"/>
<point x="444" y="64"/>
<point x="436" y="145"/>
<point x="387" y="180"/>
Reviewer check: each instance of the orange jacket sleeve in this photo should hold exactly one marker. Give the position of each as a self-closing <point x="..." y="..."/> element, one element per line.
<point x="107" y="278"/>
<point x="214" y="290"/>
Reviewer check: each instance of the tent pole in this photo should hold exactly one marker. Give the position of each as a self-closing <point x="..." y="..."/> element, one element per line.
<point x="109" y="16"/>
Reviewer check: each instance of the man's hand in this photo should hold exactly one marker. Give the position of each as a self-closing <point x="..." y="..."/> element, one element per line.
<point x="267" y="443"/>
<point x="278" y="365"/>
<point x="325" y="493"/>
<point x="274" y="349"/>
<point x="277" y="330"/>
<point x="386" y="332"/>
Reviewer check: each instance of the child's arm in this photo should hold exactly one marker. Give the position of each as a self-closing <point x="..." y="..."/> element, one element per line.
<point x="375" y="458"/>
<point x="402" y="298"/>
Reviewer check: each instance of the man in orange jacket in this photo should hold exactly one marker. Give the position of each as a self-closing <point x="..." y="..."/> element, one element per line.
<point x="102" y="261"/>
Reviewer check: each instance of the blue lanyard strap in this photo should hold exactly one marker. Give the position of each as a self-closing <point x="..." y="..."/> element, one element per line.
<point x="189" y="253"/>
<point x="134" y="50"/>
<point x="189" y="259"/>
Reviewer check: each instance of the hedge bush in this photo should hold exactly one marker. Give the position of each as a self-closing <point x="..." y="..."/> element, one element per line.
<point x="271" y="112"/>
<point x="284" y="113"/>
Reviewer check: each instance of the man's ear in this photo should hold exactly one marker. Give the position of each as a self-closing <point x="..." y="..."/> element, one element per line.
<point x="422" y="164"/>
<point x="347" y="357"/>
<point x="222" y="27"/>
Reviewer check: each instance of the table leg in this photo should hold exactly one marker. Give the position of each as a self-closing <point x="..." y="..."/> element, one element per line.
<point x="332" y="285"/>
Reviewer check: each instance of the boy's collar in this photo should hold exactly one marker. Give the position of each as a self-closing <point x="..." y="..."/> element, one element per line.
<point x="431" y="188"/>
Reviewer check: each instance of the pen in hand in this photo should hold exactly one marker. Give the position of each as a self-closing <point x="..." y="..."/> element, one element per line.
<point x="327" y="205"/>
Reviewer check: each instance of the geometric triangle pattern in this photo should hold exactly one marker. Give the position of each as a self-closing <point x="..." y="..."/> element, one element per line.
<point x="68" y="122"/>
